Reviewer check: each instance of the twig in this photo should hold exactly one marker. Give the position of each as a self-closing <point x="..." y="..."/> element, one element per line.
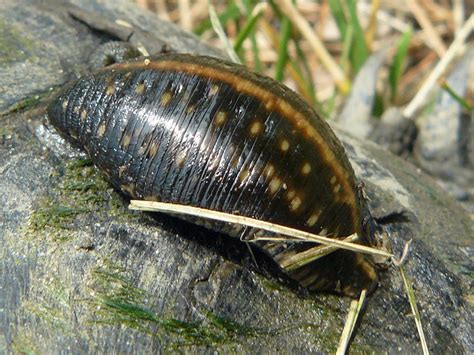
<point x="439" y="70"/>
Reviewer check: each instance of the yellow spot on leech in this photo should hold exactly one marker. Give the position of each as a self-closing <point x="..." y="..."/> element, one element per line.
<point x="126" y="141"/>
<point x="333" y="180"/>
<point x="65" y="102"/>
<point x="275" y="185"/>
<point x="83" y="115"/>
<point x="311" y="221"/>
<point x="190" y="109"/>
<point x="140" y="89"/>
<point x="295" y="203"/>
<point x="255" y="128"/>
<point x="214" y="163"/>
<point x="147" y="61"/>
<point x="269" y="104"/>
<point x="269" y="171"/>
<point x="152" y="150"/>
<point x="121" y="171"/>
<point x="220" y="118"/>
<point x="306" y="169"/>
<point x="284" y="145"/>
<point x="244" y="174"/>
<point x="337" y="188"/>
<point x="101" y="130"/>
<point x="235" y="161"/>
<point x="166" y="98"/>
<point x="110" y="88"/>
<point x="181" y="158"/>
<point x="76" y="109"/>
<point x="290" y="194"/>
<point x="213" y="90"/>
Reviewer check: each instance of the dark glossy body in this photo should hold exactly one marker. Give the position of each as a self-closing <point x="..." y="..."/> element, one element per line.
<point x="203" y="132"/>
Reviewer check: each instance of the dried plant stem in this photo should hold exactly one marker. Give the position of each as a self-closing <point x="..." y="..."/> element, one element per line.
<point x="440" y="68"/>
<point x="372" y="26"/>
<point x="414" y="309"/>
<point x="251" y="222"/>
<point x="431" y="35"/>
<point x="217" y="26"/>
<point x="354" y="311"/>
<point x="316" y="44"/>
<point x="185" y="19"/>
<point x="297" y="260"/>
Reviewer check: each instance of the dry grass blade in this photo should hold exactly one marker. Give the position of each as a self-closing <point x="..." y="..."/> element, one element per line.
<point x="354" y="311"/>
<point x="414" y="309"/>
<point x="440" y="68"/>
<point x="297" y="260"/>
<point x="431" y="35"/>
<point x="251" y="222"/>
<point x="316" y="44"/>
<point x="185" y="19"/>
<point x="216" y="25"/>
<point x="372" y="25"/>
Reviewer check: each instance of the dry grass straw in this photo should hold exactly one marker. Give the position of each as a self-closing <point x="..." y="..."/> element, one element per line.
<point x="351" y="321"/>
<point x="292" y="233"/>
<point x="431" y="35"/>
<point x="316" y="44"/>
<point x="414" y="309"/>
<point x="217" y="26"/>
<point x="457" y="45"/>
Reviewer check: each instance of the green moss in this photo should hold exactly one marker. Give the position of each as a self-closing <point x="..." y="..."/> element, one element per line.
<point x="119" y="302"/>
<point x="81" y="190"/>
<point x="51" y="303"/>
<point x="14" y="47"/>
<point x="24" y="343"/>
<point x="26" y="103"/>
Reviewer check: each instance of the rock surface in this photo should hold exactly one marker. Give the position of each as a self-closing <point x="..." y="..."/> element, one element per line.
<point x="80" y="273"/>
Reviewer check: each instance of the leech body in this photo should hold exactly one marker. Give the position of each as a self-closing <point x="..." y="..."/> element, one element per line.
<point x="204" y="132"/>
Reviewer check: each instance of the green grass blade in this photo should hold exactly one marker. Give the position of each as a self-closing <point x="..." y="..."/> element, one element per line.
<point x="232" y="12"/>
<point x="285" y="34"/>
<point x="456" y="97"/>
<point x="339" y="17"/>
<point x="217" y="26"/>
<point x="360" y="51"/>
<point x="308" y="75"/>
<point x="346" y="49"/>
<point x="398" y="64"/>
<point x="246" y="30"/>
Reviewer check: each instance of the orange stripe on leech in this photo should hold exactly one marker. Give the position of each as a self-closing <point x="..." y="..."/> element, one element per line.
<point x="272" y="101"/>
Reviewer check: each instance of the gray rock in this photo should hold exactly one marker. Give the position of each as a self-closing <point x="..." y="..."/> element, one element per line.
<point x="357" y="110"/>
<point x="80" y="273"/>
